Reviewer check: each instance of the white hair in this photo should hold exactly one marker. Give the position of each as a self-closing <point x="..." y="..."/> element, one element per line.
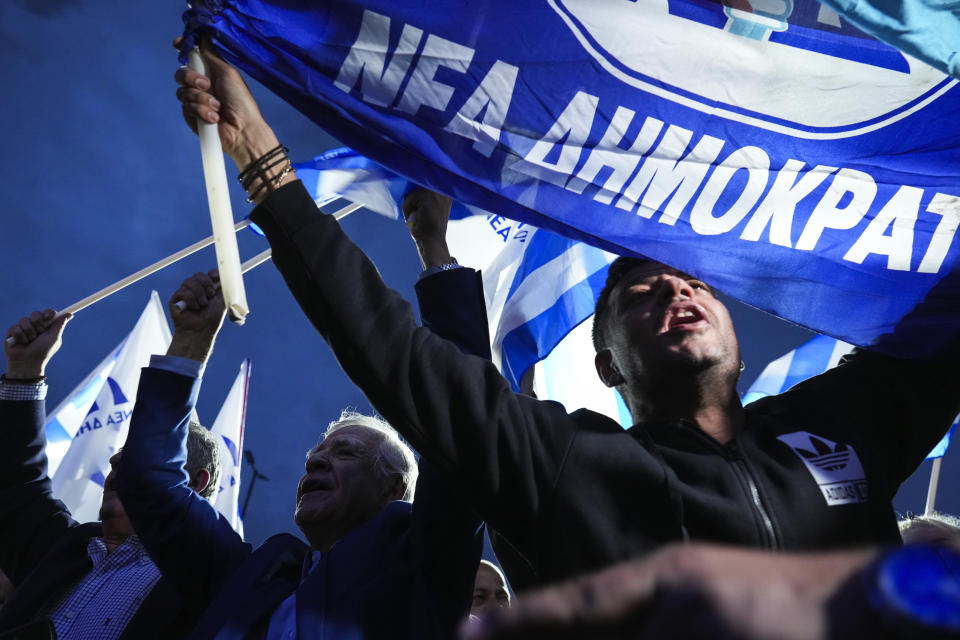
<point x="393" y="458"/>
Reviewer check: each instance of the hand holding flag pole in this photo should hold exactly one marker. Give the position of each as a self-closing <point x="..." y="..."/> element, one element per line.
<point x="221" y="214"/>
<point x="179" y="255"/>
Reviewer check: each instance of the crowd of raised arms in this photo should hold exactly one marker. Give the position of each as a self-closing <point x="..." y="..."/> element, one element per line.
<point x="703" y="520"/>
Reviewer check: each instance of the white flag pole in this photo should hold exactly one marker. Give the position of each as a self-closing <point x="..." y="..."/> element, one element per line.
<point x="263" y="256"/>
<point x="221" y="214"/>
<point x="932" y="489"/>
<point x="141" y="274"/>
<point x="179" y="255"/>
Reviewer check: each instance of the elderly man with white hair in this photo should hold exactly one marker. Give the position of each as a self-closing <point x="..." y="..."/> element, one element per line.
<point x="375" y="565"/>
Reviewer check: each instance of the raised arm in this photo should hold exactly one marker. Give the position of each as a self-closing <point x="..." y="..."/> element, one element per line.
<point x="31" y="519"/>
<point x="900" y="408"/>
<point x="191" y="543"/>
<point x="455" y="409"/>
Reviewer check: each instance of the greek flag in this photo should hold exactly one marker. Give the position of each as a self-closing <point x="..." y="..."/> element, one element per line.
<point x="783" y="155"/>
<point x="108" y="394"/>
<point x="807" y="360"/>
<point x="538" y="286"/>
<point x="228" y="430"/>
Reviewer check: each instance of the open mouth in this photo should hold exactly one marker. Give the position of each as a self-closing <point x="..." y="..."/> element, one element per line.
<point x="684" y="317"/>
<point x="314" y="484"/>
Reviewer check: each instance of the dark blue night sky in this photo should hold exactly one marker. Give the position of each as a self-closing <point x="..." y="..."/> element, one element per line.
<point x="101" y="177"/>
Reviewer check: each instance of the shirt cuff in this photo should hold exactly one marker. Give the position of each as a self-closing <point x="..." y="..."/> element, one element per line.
<point x="176" y="364"/>
<point x="23" y="390"/>
<point x="432" y="271"/>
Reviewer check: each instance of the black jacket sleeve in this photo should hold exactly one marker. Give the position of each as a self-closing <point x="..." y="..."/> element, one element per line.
<point x="901" y="408"/>
<point x="31" y="519"/>
<point x="456" y="409"/>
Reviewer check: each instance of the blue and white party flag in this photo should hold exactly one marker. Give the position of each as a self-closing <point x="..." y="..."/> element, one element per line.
<point x="228" y="430"/>
<point x="791" y="161"/>
<point x="810" y="359"/>
<point x="64" y="421"/>
<point x="78" y="480"/>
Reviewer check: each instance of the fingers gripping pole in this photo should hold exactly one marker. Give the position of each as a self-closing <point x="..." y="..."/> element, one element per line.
<point x="80" y="305"/>
<point x="221" y="215"/>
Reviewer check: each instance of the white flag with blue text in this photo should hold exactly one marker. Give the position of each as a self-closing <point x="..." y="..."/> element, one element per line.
<point x="78" y="481"/>
<point x="64" y="421"/>
<point x="228" y="430"/>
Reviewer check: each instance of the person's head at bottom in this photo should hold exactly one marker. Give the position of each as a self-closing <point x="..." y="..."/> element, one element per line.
<point x="489" y="589"/>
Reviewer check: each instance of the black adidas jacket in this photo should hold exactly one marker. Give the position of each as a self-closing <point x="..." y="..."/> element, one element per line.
<point x="815" y="468"/>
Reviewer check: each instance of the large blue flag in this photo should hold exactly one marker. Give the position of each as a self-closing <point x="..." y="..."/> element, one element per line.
<point x="797" y="164"/>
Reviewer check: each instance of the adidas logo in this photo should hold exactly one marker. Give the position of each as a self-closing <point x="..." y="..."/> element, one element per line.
<point x="824" y="457"/>
<point x="834" y="466"/>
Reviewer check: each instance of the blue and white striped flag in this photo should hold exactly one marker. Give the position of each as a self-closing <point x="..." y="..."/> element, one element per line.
<point x="807" y="360"/>
<point x="228" y="430"/>
<point x="538" y="286"/>
<point x="78" y="480"/>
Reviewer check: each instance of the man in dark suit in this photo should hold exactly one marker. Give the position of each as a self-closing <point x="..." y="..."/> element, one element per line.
<point x="92" y="580"/>
<point x="374" y="565"/>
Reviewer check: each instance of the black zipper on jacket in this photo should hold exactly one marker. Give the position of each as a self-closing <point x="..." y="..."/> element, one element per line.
<point x="743" y="471"/>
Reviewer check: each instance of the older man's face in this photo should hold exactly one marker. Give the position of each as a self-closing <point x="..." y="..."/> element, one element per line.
<point x="666" y="318"/>
<point x="340" y="489"/>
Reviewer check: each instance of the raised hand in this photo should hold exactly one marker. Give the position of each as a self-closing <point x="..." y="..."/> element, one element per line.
<point x="426" y="214"/>
<point x="31" y="343"/>
<point x="222" y="98"/>
<point x="197" y="309"/>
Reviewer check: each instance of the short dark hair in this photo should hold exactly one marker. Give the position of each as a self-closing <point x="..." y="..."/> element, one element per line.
<point x="601" y="315"/>
<point x="203" y="452"/>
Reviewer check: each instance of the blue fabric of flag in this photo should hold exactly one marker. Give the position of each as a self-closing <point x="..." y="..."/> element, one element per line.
<point x="941" y="449"/>
<point x="809" y="359"/>
<point x="792" y="161"/>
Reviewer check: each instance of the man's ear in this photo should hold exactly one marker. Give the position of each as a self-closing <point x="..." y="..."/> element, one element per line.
<point x="606" y="369"/>
<point x="199" y="480"/>
<point x="395" y="490"/>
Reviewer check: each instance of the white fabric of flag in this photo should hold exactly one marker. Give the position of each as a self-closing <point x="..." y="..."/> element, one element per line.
<point x="552" y="379"/>
<point x="807" y="360"/>
<point x="78" y="480"/>
<point x="64" y="421"/>
<point x="228" y="430"/>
